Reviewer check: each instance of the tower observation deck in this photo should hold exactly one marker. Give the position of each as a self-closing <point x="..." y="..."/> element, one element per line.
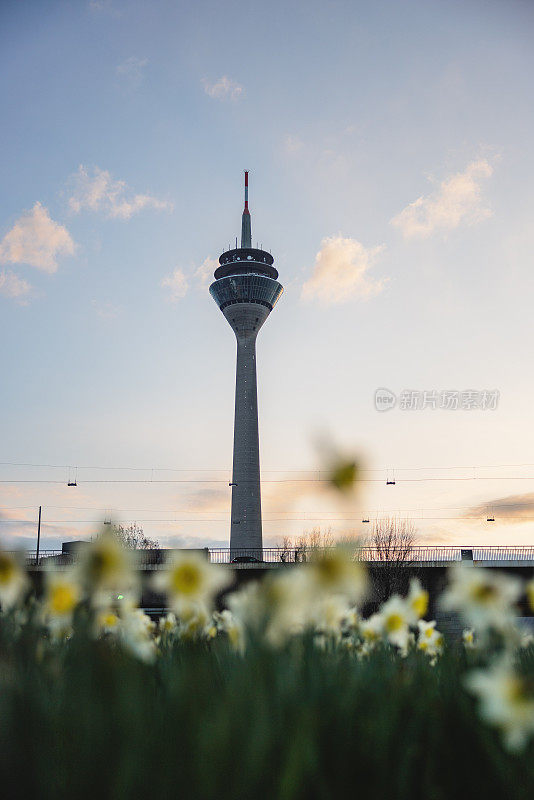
<point x="246" y="290"/>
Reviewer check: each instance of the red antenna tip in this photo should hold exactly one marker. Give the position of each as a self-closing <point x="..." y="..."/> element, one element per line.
<point x="246" y="190"/>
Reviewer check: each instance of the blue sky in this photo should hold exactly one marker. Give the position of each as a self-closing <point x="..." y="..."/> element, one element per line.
<point x="391" y="176"/>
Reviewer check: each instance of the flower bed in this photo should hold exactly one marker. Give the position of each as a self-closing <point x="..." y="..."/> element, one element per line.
<point x="287" y="693"/>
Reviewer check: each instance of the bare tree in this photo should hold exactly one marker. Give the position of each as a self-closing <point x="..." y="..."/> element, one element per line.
<point x="286" y="548"/>
<point x="392" y="539"/>
<point x="389" y="549"/>
<point x="316" y="538"/>
<point x="298" y="549"/>
<point x="133" y="536"/>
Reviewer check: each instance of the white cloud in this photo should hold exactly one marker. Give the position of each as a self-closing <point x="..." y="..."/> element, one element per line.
<point x="204" y="274"/>
<point x="223" y="89"/>
<point x="106" y="310"/>
<point x="37" y="240"/>
<point x="457" y="201"/>
<point x="102" y="193"/>
<point x="12" y="286"/>
<point x="104" y="6"/>
<point x="293" y="144"/>
<point x="130" y="71"/>
<point x="341" y="272"/>
<point x="177" y="284"/>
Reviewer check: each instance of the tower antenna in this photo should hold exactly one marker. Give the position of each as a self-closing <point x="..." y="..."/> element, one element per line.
<point x="246" y="230"/>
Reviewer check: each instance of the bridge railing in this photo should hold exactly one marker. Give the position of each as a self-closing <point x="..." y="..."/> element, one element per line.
<point x="291" y="555"/>
<point x="505" y="553"/>
<point x="417" y="554"/>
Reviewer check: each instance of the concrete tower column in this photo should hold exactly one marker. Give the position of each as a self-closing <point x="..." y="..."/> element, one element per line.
<point x="246" y="290"/>
<point x="246" y="531"/>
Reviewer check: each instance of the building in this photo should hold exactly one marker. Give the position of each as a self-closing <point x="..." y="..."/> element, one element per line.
<point x="246" y="290"/>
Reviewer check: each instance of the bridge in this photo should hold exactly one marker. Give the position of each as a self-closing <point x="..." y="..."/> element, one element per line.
<point x="271" y="557"/>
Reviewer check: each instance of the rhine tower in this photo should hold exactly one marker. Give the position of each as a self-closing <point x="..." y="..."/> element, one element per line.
<point x="246" y="290"/>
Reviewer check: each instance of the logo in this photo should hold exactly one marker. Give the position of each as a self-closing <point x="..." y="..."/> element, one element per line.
<point x="384" y="400"/>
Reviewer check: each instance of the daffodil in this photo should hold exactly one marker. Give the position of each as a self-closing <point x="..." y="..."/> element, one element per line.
<point x="62" y="595"/>
<point x="484" y="597"/>
<point x="335" y="571"/>
<point x="506" y="700"/>
<point x="233" y="629"/>
<point x="249" y="604"/>
<point x="190" y="581"/>
<point x="351" y="621"/>
<point x="430" y="640"/>
<point x="287" y="602"/>
<point x="107" y="622"/>
<point x="395" y="621"/>
<point x="193" y="621"/>
<point x="371" y="629"/>
<point x="136" y="635"/>
<point x="364" y="650"/>
<point x="417" y="601"/>
<point x="211" y="631"/>
<point x="167" y="624"/>
<point x="13" y="580"/>
<point x="468" y="638"/>
<point x="329" y="615"/>
<point x="106" y="570"/>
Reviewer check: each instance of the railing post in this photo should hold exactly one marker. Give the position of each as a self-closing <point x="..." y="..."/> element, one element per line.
<point x="38" y="539"/>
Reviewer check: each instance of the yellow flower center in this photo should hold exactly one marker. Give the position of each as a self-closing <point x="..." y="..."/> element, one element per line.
<point x="423" y="645"/>
<point x="330" y="569"/>
<point x="105" y="561"/>
<point x="7" y="569"/>
<point x="186" y="579"/>
<point x="420" y="604"/>
<point x="343" y="475"/>
<point x="63" y="598"/>
<point x="234" y="635"/>
<point x="483" y="593"/>
<point x="394" y="622"/>
<point x="370" y="634"/>
<point x="109" y="620"/>
<point x="520" y="690"/>
<point x="429" y="632"/>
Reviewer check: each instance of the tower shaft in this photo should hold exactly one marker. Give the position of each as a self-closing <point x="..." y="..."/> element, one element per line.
<point x="246" y="528"/>
<point x="246" y="290"/>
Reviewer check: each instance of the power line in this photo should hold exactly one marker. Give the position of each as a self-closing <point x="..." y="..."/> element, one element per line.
<point x="266" y="521"/>
<point x="277" y="470"/>
<point x="279" y="480"/>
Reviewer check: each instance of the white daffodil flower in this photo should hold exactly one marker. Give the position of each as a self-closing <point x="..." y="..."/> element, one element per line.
<point x="395" y="621"/>
<point x="430" y="641"/>
<point x="485" y="598"/>
<point x="106" y="570"/>
<point x="417" y="601"/>
<point x="62" y="595"/>
<point x="336" y="572"/>
<point x="506" y="700"/>
<point x="371" y="629"/>
<point x="190" y="581"/>
<point x="468" y="638"/>
<point x="13" y="580"/>
<point x="233" y="628"/>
